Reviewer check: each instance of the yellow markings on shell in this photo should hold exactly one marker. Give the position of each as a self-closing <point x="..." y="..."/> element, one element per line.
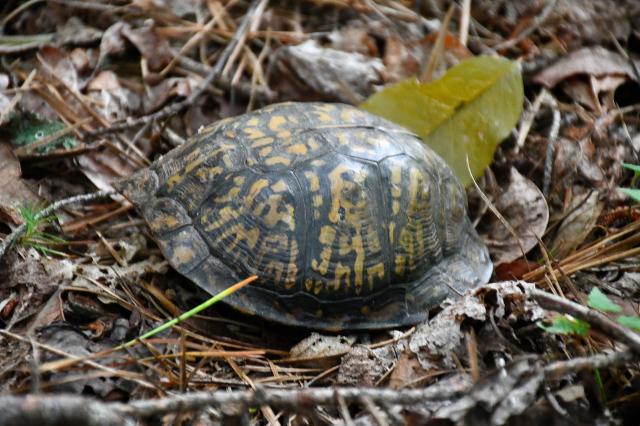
<point x="284" y="134"/>
<point x="277" y="160"/>
<point x="193" y="164"/>
<point x="396" y="179"/>
<point x="273" y="216"/>
<point x="231" y="134"/>
<point x="173" y="180"/>
<point x="395" y="206"/>
<point x="256" y="187"/>
<point x="265" y="151"/>
<point x="276" y="122"/>
<point x="392" y="232"/>
<point x="317" y="200"/>
<point x="399" y="262"/>
<point x="298" y="149"/>
<point x="308" y="284"/>
<point x="365" y="310"/>
<point x="323" y="116"/>
<point x="260" y="142"/>
<point x="279" y="186"/>
<point x="208" y="173"/>
<point x="164" y="222"/>
<point x="326" y="238"/>
<point x="342" y="271"/>
<point x="411" y="237"/>
<point x="372" y="271"/>
<point x="314" y="182"/>
<point x="225" y="215"/>
<point x="253" y="133"/>
<point x="253" y="121"/>
<point x="348" y="114"/>
<point x="358" y="263"/>
<point x="343" y="138"/>
<point x="336" y="184"/>
<point x="313" y="143"/>
<point x="183" y="255"/>
<point x="317" y="289"/>
<point x="233" y="192"/>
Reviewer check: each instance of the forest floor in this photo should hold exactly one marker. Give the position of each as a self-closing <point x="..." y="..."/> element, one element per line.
<point x="92" y="91"/>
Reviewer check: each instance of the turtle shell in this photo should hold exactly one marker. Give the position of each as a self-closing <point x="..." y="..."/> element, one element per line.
<point x="348" y="220"/>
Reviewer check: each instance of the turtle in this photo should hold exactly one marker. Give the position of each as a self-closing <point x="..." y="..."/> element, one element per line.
<point x="349" y="221"/>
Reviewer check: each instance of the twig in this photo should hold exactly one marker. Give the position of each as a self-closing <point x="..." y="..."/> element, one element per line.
<point x="559" y="369"/>
<point x="48" y="211"/>
<point x="49" y="409"/>
<point x="200" y="89"/>
<point x="593" y="317"/>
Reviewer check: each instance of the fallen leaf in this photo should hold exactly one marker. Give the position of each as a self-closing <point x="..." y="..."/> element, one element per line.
<point x="14" y="192"/>
<point x="331" y="73"/>
<point x="362" y="366"/>
<point x="596" y="61"/>
<point x="466" y="113"/>
<point x="574" y="228"/>
<point x="317" y="347"/>
<point x="154" y="48"/>
<point x="525" y="208"/>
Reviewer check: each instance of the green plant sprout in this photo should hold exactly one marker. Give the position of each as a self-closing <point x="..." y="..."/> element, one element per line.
<point x="209" y="302"/>
<point x="566" y="324"/>
<point x="35" y="237"/>
<point x="632" y="192"/>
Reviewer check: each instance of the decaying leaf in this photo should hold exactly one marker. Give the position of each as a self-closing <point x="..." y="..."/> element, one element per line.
<point x="318" y="346"/>
<point x="525" y="208"/>
<point x="436" y="341"/>
<point x="345" y="76"/>
<point x="14" y="192"/>
<point x="596" y="61"/>
<point x="585" y="211"/>
<point x="466" y="113"/>
<point x="362" y="366"/>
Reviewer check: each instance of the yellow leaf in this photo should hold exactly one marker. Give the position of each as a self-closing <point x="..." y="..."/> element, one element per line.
<point x="468" y="111"/>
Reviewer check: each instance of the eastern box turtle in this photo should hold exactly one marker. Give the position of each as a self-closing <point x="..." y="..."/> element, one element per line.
<point x="349" y="221"/>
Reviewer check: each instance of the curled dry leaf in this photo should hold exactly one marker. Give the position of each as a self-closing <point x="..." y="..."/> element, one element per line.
<point x="525" y="208"/>
<point x="585" y="211"/>
<point x="318" y="346"/>
<point x="27" y="281"/>
<point x="596" y="61"/>
<point x="151" y="46"/>
<point x="333" y="74"/>
<point x="58" y="63"/>
<point x="113" y="100"/>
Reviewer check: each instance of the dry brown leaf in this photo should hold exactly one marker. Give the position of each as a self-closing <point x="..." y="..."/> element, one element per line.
<point x="362" y="366"/>
<point x="14" y="192"/>
<point x="596" y="61"/>
<point x="151" y="46"/>
<point x="525" y="208"/>
<point x="585" y="211"/>
<point x="331" y="73"/>
<point x="321" y="346"/>
<point x="58" y="62"/>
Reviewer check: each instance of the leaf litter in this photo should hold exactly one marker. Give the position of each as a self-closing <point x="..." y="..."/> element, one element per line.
<point x="487" y="351"/>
